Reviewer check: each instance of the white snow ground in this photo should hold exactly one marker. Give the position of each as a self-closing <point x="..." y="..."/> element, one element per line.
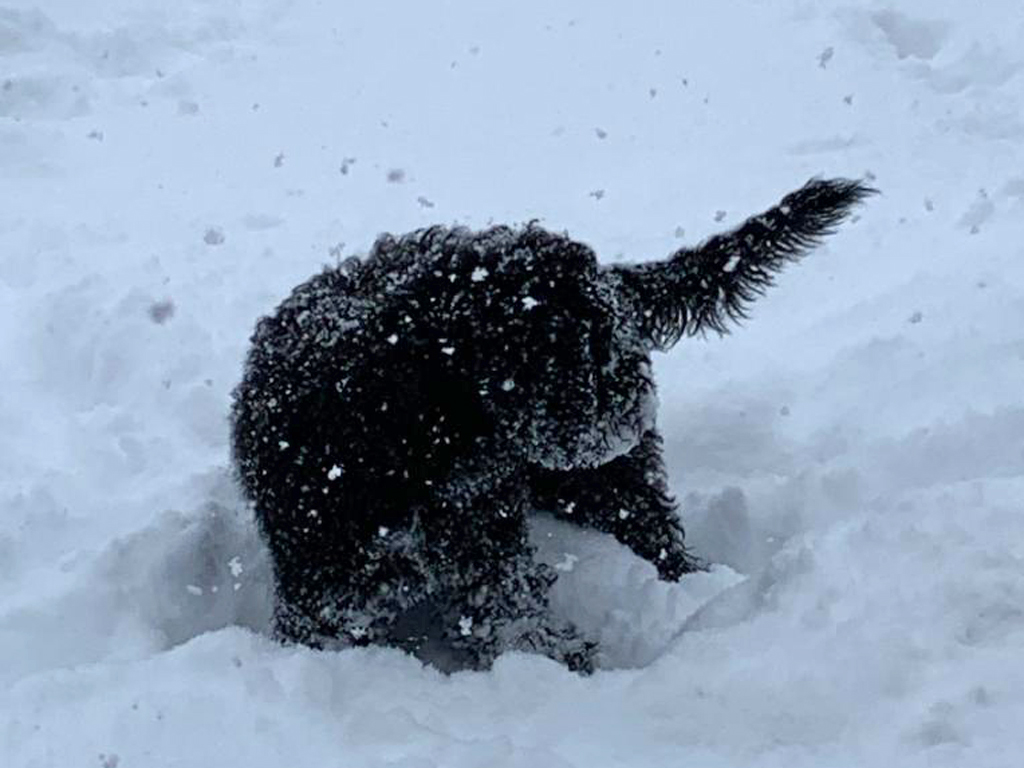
<point x="852" y="459"/>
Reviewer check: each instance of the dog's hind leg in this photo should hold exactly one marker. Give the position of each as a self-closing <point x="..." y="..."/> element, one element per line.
<point x="454" y="583"/>
<point x="492" y="595"/>
<point x="356" y="593"/>
<point x="507" y="610"/>
<point x="628" y="498"/>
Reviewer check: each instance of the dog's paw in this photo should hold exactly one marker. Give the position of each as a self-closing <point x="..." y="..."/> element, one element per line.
<point x="675" y="561"/>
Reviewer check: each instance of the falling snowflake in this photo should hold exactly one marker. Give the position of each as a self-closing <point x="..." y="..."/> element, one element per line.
<point x="568" y="563"/>
<point x="161" y="311"/>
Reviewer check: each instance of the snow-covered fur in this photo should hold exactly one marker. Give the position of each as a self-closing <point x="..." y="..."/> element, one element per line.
<point x="400" y="416"/>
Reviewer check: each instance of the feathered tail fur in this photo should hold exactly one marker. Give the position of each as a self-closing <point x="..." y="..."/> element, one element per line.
<point x="708" y="287"/>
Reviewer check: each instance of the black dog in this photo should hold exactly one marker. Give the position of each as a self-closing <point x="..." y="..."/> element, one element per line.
<point x="400" y="416"/>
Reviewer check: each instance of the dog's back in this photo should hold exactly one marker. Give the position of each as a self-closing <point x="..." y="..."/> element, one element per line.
<point x="363" y="373"/>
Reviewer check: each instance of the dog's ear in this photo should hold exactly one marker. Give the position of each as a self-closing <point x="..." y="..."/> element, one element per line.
<point x="708" y="287"/>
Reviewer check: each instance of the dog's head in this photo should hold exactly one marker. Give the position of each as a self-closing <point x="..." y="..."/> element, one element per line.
<point x="528" y="331"/>
<point x="560" y="365"/>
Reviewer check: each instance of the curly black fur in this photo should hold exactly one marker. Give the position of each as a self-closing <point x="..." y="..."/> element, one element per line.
<point x="707" y="287"/>
<point x="400" y="416"/>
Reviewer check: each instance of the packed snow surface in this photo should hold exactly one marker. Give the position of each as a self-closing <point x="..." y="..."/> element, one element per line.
<point x="851" y="461"/>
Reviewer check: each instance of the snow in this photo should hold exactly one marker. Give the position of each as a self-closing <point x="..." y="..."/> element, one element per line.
<point x="851" y="461"/>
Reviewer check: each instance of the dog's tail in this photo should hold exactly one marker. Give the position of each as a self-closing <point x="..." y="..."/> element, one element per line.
<point x="707" y="287"/>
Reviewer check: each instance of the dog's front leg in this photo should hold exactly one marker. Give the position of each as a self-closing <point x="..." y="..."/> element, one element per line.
<point x="628" y="498"/>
